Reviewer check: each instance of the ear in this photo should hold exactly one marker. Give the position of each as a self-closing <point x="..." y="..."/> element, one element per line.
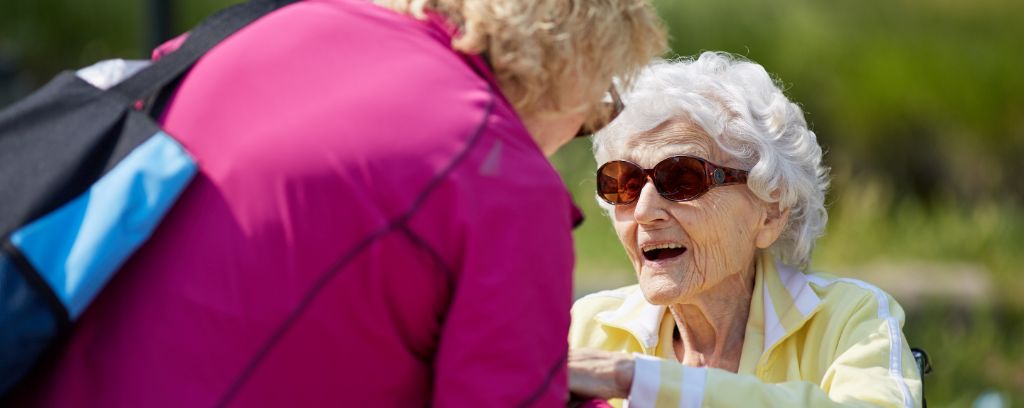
<point x="771" y="226"/>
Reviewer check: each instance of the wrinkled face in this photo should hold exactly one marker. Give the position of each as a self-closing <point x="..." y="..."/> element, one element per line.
<point x="681" y="249"/>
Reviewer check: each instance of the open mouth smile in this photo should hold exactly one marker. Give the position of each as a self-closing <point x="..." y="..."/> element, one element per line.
<point x="660" y="252"/>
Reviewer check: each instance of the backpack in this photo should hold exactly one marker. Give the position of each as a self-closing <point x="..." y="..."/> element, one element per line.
<point x="86" y="175"/>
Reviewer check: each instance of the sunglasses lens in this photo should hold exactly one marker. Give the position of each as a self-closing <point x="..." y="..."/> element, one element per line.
<point x="680" y="178"/>
<point x="620" y="182"/>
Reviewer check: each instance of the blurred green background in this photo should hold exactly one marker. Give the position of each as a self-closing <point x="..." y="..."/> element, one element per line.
<point x="919" y="105"/>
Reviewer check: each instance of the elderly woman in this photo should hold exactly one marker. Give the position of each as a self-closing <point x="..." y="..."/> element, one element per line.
<point x="716" y="190"/>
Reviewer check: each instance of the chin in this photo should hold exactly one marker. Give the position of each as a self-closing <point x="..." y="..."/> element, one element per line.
<point x="662" y="291"/>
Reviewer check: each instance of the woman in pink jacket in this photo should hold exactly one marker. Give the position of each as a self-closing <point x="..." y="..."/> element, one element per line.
<point x="374" y="222"/>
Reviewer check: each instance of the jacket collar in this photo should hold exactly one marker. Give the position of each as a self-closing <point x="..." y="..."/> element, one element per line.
<point x="787" y="300"/>
<point x="782" y="301"/>
<point x="636" y="316"/>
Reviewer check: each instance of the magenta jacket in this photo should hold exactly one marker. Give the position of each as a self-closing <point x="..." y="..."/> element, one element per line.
<point x="372" y="225"/>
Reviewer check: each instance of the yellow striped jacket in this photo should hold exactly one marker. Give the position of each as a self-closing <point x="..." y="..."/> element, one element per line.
<point x="811" y="340"/>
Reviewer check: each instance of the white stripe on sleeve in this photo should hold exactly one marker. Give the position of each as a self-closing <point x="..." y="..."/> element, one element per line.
<point x="895" y="337"/>
<point x="646" y="380"/>
<point x="693" y="387"/>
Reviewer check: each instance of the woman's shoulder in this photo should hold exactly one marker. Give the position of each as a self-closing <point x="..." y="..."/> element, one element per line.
<point x="850" y="297"/>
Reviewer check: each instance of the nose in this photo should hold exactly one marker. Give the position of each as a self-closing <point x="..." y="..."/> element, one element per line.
<point x="650" y="206"/>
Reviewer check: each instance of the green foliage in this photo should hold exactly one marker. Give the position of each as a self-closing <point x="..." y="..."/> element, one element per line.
<point x="894" y="89"/>
<point x="972" y="350"/>
<point x="44" y="37"/>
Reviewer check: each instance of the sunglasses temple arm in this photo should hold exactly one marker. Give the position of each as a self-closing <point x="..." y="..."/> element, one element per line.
<point x="729" y="175"/>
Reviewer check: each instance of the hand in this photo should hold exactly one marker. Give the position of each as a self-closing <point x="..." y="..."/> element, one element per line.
<point x="600" y="374"/>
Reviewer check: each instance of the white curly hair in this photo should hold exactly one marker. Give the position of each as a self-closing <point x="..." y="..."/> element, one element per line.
<point x="737" y="104"/>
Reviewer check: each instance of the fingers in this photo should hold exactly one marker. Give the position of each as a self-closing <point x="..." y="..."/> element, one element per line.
<point x="599" y="373"/>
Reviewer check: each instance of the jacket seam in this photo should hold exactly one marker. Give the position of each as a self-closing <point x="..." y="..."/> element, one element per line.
<point x="398" y="222"/>
<point x="422" y="243"/>
<point x="449" y="273"/>
<point x="532" y="399"/>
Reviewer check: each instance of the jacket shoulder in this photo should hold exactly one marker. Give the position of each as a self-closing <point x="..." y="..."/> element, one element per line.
<point x="847" y="296"/>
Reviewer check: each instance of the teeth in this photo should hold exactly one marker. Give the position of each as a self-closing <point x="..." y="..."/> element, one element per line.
<point x="661" y="246"/>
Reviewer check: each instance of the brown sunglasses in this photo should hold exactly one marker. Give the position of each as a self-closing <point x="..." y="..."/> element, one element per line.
<point x="677" y="178"/>
<point x="608" y="111"/>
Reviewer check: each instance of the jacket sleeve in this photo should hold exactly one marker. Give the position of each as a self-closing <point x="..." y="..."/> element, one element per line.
<point x="503" y="341"/>
<point x="873" y="368"/>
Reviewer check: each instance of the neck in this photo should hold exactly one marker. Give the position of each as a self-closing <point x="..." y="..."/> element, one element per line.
<point x="712" y="326"/>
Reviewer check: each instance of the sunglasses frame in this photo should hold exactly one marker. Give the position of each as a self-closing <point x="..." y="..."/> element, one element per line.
<point x="714" y="176"/>
<point x="612" y="110"/>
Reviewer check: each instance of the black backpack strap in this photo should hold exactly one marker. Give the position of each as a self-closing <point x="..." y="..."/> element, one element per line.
<point x="205" y="36"/>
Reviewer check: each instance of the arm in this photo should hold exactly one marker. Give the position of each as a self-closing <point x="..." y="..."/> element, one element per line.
<point x="663" y="381"/>
<point x="873" y="367"/>
<point x="503" y="342"/>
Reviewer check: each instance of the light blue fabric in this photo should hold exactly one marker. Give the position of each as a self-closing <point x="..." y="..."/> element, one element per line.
<point x="79" y="246"/>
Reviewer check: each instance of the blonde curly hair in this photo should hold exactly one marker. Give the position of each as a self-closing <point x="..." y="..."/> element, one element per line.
<point x="545" y="52"/>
